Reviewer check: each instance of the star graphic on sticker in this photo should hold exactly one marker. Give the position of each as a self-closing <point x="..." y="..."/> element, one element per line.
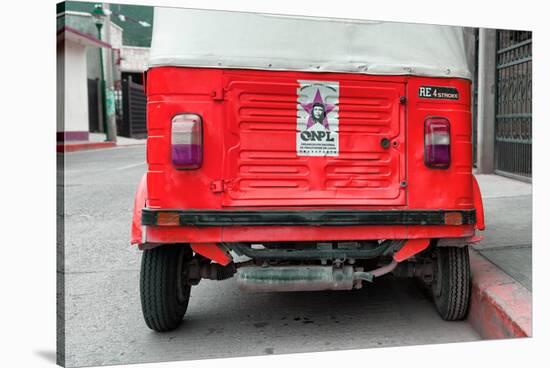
<point x="318" y="111"/>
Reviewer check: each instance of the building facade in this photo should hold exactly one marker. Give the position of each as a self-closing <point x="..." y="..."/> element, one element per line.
<point x="503" y="103"/>
<point x="125" y="44"/>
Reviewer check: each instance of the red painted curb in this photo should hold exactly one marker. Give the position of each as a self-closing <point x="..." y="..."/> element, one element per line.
<point x="72" y="147"/>
<point x="500" y="307"/>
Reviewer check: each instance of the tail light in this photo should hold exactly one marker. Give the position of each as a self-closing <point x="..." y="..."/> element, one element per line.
<point x="187" y="141"/>
<point x="437" y="143"/>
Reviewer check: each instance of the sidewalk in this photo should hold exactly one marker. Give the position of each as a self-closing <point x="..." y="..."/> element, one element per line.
<point x="95" y="141"/>
<point x="501" y="304"/>
<point x="507" y="240"/>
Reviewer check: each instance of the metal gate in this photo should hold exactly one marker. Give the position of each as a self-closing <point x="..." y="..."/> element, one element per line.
<point x="133" y="110"/>
<point x="513" y="133"/>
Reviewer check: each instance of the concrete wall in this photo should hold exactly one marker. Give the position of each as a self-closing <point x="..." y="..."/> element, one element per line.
<point x="116" y="43"/>
<point x="75" y="88"/>
<point x="60" y="100"/>
<point x="116" y="36"/>
<point x="134" y="59"/>
<point x="92" y="56"/>
<point x="83" y="22"/>
<point x="486" y="101"/>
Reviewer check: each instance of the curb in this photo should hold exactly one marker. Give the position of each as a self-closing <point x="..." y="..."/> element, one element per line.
<point x="131" y="144"/>
<point x="500" y="307"/>
<point x="72" y="147"/>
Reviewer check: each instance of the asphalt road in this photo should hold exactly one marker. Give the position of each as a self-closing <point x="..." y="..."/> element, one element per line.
<point x="103" y="322"/>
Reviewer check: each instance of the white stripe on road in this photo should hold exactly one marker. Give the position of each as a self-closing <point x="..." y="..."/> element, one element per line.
<point x="102" y="170"/>
<point x="129" y="166"/>
<point x="103" y="149"/>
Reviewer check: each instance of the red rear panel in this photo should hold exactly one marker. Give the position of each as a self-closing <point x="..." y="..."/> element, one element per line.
<point x="250" y="129"/>
<point x="253" y="156"/>
<point x="263" y="165"/>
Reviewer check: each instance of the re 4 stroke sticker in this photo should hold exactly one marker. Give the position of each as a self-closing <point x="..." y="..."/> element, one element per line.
<point x="442" y="93"/>
<point x="317" y="118"/>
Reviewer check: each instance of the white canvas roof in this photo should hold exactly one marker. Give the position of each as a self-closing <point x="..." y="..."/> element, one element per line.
<point x="222" y="39"/>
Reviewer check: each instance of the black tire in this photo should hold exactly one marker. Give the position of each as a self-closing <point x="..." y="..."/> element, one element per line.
<point x="451" y="286"/>
<point x="164" y="297"/>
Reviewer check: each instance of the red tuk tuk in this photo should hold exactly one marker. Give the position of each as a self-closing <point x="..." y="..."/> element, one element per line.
<point x="298" y="153"/>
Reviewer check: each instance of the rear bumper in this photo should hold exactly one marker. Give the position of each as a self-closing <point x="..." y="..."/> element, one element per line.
<point x="223" y="218"/>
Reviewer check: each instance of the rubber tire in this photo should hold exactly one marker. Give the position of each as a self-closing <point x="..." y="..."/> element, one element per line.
<point x="452" y="272"/>
<point x="162" y="309"/>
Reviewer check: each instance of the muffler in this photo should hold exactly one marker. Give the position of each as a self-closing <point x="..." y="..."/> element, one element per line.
<point x="295" y="278"/>
<point x="306" y="278"/>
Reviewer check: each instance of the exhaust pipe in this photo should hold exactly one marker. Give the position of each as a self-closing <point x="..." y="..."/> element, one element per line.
<point x="305" y="278"/>
<point x="294" y="278"/>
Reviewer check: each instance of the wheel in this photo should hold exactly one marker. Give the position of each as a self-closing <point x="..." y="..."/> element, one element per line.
<point x="164" y="297"/>
<point x="451" y="283"/>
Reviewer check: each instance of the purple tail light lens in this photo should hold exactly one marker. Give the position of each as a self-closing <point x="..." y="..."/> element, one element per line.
<point x="437" y="143"/>
<point x="187" y="141"/>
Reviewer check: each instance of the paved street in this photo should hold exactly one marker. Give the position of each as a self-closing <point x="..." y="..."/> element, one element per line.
<point x="103" y="313"/>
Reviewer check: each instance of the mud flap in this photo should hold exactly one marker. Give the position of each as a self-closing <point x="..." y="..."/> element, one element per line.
<point x="139" y="202"/>
<point x="478" y="204"/>
<point x="411" y="247"/>
<point x="213" y="252"/>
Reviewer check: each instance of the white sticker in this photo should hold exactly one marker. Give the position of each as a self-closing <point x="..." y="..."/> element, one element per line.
<point x="317" y="119"/>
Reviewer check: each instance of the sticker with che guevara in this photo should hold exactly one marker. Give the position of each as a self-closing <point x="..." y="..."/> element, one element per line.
<point x="317" y="118"/>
